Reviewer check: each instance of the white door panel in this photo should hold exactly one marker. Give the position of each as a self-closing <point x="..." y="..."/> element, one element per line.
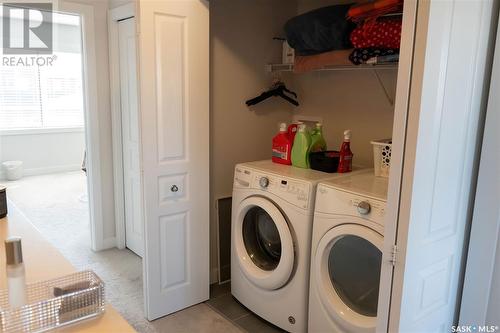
<point x="130" y="137"/>
<point x="481" y="295"/>
<point x="174" y="67"/>
<point x="445" y="108"/>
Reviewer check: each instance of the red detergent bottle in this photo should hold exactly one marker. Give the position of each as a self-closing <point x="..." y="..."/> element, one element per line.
<point x="282" y="146"/>
<point x="345" y="162"/>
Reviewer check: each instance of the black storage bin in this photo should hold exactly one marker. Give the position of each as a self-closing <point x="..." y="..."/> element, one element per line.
<point x="3" y="201"/>
<point x="326" y="161"/>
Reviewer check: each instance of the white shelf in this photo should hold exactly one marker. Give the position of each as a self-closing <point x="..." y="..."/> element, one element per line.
<point x="289" y="67"/>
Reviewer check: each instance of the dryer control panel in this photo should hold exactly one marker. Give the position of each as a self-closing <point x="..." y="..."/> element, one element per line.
<point x="293" y="191"/>
<point x="338" y="202"/>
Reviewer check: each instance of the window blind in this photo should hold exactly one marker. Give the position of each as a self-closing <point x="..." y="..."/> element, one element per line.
<point x="48" y="96"/>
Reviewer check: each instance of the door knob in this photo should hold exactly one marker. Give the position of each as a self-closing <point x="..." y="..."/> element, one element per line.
<point x="174" y="188"/>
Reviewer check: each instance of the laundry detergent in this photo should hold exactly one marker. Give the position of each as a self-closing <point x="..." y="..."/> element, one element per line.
<point x="301" y="146"/>
<point x="282" y="146"/>
<point x="318" y="142"/>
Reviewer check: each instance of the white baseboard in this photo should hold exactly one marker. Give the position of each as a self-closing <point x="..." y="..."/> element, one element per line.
<point x="47" y="170"/>
<point x="108" y="243"/>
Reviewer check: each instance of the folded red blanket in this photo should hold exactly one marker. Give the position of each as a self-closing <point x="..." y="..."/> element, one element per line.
<point x="374" y="9"/>
<point x="382" y="34"/>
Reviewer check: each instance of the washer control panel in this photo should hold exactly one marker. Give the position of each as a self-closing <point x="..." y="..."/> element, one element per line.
<point x="293" y="191"/>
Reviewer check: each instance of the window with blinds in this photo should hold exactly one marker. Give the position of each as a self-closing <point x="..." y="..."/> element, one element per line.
<point x="46" y="96"/>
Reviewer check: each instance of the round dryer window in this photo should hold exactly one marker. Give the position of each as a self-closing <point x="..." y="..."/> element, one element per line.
<point x="346" y="270"/>
<point x="354" y="268"/>
<point x="261" y="238"/>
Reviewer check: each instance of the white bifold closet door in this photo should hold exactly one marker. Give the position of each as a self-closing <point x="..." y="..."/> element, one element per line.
<point x="130" y="137"/>
<point x="174" y="105"/>
<point x="449" y="81"/>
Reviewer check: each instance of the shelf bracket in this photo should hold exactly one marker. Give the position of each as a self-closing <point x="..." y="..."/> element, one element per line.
<point x="386" y="93"/>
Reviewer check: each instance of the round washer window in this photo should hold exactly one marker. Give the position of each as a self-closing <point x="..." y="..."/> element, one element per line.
<point x="354" y="266"/>
<point x="261" y="238"/>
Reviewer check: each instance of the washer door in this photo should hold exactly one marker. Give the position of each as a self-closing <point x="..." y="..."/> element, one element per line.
<point x="263" y="243"/>
<point x="347" y="270"/>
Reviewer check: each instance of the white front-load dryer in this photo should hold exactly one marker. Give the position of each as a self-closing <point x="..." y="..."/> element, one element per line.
<point x="272" y="214"/>
<point x="346" y="254"/>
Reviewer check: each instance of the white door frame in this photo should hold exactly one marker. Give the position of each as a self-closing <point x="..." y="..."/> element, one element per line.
<point x="114" y="16"/>
<point x="483" y="258"/>
<point x="401" y="109"/>
<point x="92" y="141"/>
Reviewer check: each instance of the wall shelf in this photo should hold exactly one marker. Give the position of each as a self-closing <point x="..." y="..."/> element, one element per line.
<point x="277" y="68"/>
<point x="271" y="68"/>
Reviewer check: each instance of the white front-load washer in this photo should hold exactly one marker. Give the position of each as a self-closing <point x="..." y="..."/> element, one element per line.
<point x="346" y="254"/>
<point x="272" y="214"/>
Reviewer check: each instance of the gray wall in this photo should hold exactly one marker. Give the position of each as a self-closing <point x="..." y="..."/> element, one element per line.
<point x="348" y="100"/>
<point x="44" y="153"/>
<point x="493" y="314"/>
<point x="241" y="44"/>
<point x="103" y="108"/>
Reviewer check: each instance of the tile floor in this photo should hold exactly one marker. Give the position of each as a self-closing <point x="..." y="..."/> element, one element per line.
<point x="224" y="303"/>
<point x="199" y="318"/>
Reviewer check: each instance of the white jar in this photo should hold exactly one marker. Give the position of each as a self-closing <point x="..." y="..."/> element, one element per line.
<point x="16" y="278"/>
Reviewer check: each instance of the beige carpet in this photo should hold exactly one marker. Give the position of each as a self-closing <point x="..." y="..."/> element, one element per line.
<point x="58" y="207"/>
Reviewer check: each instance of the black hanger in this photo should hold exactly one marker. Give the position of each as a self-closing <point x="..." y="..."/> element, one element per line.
<point x="278" y="89"/>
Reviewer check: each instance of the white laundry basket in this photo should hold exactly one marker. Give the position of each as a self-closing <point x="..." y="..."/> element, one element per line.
<point x="13" y="169"/>
<point x="382" y="150"/>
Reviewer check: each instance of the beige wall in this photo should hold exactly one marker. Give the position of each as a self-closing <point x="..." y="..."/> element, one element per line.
<point x="241" y="45"/>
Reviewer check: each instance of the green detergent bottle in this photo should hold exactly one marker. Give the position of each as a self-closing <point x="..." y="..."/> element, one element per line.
<point x="300" y="149"/>
<point x="318" y="142"/>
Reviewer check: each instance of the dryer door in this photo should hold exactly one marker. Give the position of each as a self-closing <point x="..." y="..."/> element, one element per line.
<point x="347" y="270"/>
<point x="263" y="243"/>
